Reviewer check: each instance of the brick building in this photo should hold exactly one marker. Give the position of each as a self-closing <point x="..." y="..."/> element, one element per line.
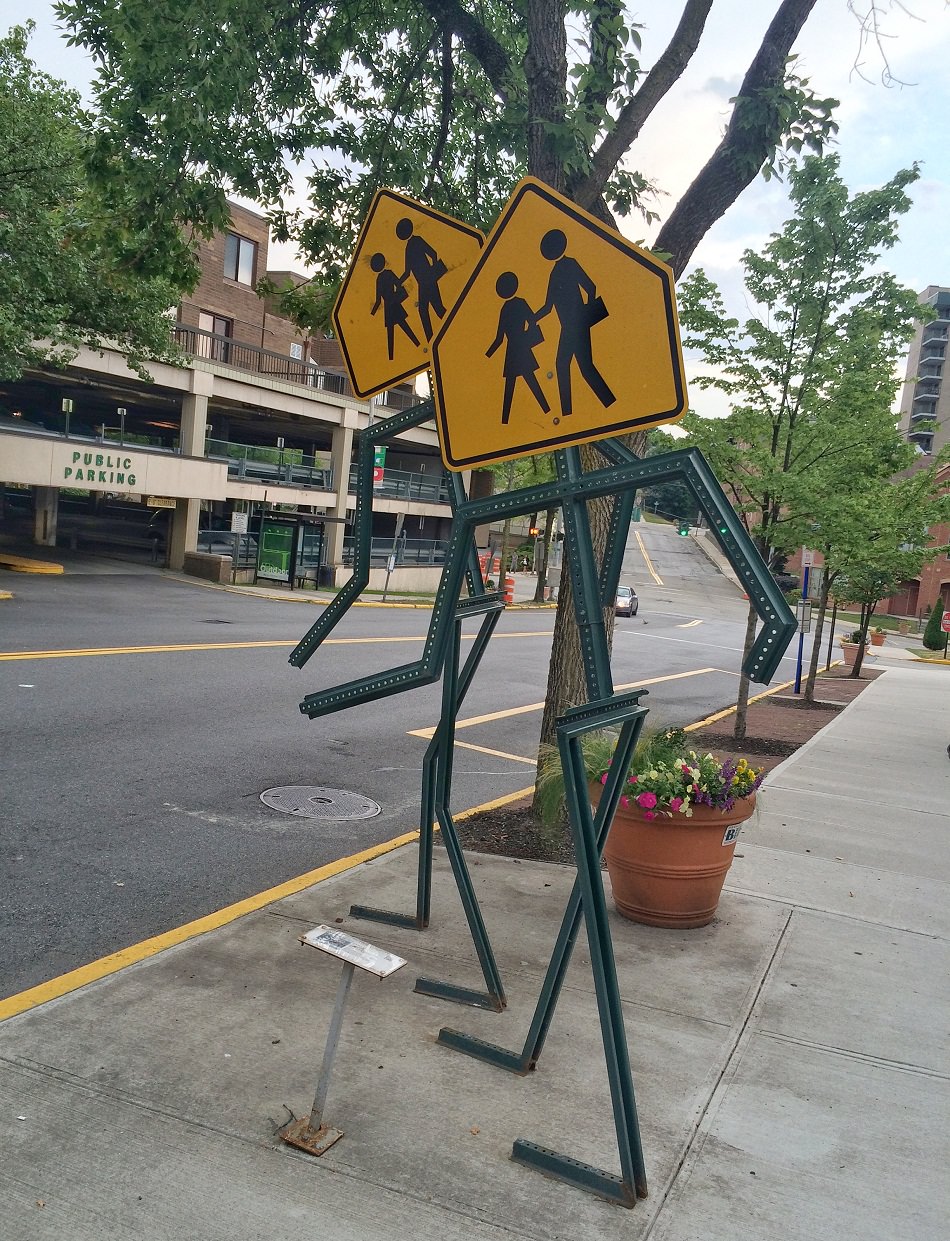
<point x="256" y="419"/>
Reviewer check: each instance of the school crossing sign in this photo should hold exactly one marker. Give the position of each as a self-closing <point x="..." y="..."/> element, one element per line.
<point x="409" y="266"/>
<point x="564" y="333"/>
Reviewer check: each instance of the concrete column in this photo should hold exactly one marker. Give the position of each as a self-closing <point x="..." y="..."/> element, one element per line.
<point x="194" y="419"/>
<point x="45" y="512"/>
<point x="341" y="456"/>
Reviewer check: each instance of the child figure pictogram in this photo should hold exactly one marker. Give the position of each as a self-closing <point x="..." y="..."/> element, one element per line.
<point x="392" y="296"/>
<point x="518" y="327"/>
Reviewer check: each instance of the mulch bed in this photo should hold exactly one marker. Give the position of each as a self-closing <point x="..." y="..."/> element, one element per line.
<point x="775" y="728"/>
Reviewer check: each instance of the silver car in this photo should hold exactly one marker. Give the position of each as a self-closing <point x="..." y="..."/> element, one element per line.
<point x="627" y="602"/>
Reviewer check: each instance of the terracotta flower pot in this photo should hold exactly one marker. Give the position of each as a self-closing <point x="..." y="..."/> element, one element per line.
<point x="877" y="639"/>
<point x="850" y="650"/>
<point x="670" y="871"/>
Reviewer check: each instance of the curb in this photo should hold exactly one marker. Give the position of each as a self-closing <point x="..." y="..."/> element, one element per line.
<point x="22" y="564"/>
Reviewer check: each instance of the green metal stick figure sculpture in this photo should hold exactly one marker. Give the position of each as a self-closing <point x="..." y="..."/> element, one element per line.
<point x="622" y="475"/>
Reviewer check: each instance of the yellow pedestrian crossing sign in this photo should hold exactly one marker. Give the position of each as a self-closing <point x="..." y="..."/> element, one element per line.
<point x="410" y="264"/>
<point x="564" y="333"/>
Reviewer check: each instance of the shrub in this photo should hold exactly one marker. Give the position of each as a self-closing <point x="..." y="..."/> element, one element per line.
<point x="933" y="634"/>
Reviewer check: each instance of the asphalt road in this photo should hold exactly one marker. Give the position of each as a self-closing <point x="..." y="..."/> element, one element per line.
<point x="132" y="778"/>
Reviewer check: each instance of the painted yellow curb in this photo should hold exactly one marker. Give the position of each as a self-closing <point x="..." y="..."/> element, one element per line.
<point x="44" y="992"/>
<point x="104" y="966"/>
<point x="6" y="594"/>
<point x="22" y="564"/>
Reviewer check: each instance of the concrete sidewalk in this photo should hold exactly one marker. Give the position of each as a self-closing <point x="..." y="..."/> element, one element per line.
<point x="791" y="1059"/>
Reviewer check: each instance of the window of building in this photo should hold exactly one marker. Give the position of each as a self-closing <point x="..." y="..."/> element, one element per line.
<point x="240" y="258"/>
<point x="212" y="346"/>
<point x="296" y="352"/>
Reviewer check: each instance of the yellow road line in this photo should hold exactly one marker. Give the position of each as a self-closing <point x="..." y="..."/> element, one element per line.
<point x="141" y="650"/>
<point x="166" y="648"/>
<point x="481" y="749"/>
<point x="116" y="961"/>
<point x="689" y="624"/>
<point x="428" y="733"/>
<point x="646" y="556"/>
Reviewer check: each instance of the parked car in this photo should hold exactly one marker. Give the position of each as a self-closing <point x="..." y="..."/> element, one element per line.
<point x="627" y="602"/>
<point x="785" y="581"/>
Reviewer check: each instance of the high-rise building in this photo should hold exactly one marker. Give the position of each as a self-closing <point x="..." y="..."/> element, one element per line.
<point x="925" y="399"/>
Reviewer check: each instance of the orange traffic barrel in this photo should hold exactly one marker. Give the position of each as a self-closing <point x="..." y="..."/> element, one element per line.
<point x="509" y="590"/>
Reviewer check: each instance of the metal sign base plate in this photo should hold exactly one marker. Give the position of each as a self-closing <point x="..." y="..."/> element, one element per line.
<point x="314" y="1141"/>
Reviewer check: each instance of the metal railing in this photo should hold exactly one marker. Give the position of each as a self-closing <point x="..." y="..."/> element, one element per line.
<point x="409" y="485"/>
<point x="242" y="548"/>
<point x="408" y="551"/>
<point x="243" y="357"/>
<point x="289" y="466"/>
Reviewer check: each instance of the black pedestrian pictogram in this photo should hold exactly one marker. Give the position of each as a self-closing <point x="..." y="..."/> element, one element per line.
<point x="576" y="314"/>
<point x="427" y="269"/>
<point x="392" y="296"/>
<point x="518" y="327"/>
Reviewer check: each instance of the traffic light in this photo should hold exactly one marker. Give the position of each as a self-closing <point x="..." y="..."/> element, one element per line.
<point x="683" y="528"/>
<point x="534" y="531"/>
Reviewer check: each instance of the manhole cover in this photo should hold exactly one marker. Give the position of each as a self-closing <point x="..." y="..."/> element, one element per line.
<point x="319" y="803"/>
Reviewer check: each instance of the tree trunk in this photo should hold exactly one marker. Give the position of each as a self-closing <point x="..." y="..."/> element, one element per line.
<point x="809" y="694"/>
<point x="545" y="69"/>
<point x="742" y="701"/>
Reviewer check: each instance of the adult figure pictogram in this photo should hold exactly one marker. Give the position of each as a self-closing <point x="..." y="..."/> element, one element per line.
<point x="577" y="314"/>
<point x="427" y="269"/>
<point x="391" y="295"/>
<point x="518" y="327"/>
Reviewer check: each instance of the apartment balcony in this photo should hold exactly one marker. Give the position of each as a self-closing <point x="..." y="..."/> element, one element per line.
<point x="265" y="362"/>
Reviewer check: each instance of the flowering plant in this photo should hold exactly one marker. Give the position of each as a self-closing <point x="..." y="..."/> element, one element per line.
<point x="665" y="778"/>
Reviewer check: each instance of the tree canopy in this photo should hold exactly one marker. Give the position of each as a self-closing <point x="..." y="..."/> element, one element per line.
<point x="811" y="374"/>
<point x="70" y="268"/>
<point x="449" y="100"/>
<point x="443" y="99"/>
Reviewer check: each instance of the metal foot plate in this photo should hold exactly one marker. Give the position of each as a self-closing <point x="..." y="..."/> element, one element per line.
<point x="458" y="995"/>
<point x="491" y="1053"/>
<point x="314" y="1141"/>
<point x="385" y="915"/>
<point x="574" y="1172"/>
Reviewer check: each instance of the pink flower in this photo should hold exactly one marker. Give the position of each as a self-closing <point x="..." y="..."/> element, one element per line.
<point x="649" y="814"/>
<point x="632" y="780"/>
<point x="647" y="801"/>
<point x="603" y="778"/>
<point x="675" y="803"/>
<point x="625" y="802"/>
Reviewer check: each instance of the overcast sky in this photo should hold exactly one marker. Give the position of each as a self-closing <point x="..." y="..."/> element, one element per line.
<point x="882" y="128"/>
